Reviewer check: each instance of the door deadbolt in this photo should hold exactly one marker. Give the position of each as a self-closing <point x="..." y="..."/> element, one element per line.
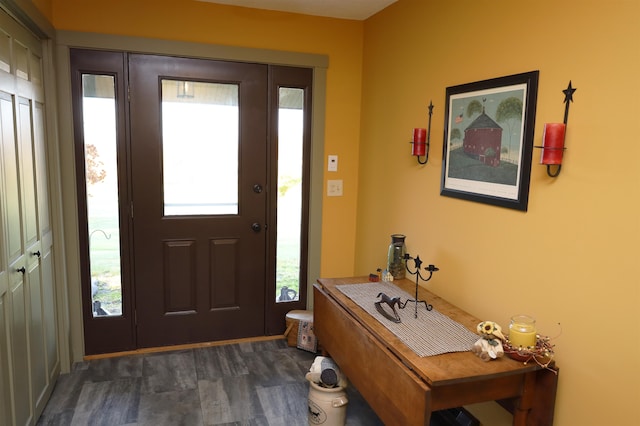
<point x="256" y="227"/>
<point x="257" y="188"/>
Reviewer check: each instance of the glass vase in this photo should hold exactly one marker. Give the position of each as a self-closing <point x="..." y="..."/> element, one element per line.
<point x="396" y="263"/>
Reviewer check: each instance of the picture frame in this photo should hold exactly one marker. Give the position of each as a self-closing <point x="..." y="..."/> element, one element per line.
<point x="488" y="140"/>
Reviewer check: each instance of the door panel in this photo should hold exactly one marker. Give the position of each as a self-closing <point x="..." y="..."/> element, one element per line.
<point x="17" y="295"/>
<point x="5" y="364"/>
<point x="49" y="312"/>
<point x="19" y="346"/>
<point x="224" y="284"/>
<point x="199" y="277"/>
<point x="179" y="277"/>
<point x="38" y="359"/>
<point x="29" y="213"/>
<point x="11" y="174"/>
<point x="41" y="166"/>
<point x="44" y="252"/>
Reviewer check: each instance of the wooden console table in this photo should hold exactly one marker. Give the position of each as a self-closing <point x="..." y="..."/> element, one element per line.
<point x="403" y="388"/>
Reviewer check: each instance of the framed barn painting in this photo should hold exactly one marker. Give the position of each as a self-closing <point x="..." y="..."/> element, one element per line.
<point x="488" y="140"/>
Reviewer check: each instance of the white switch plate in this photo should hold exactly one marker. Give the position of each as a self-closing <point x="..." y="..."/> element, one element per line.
<point x="333" y="163"/>
<point x="334" y="188"/>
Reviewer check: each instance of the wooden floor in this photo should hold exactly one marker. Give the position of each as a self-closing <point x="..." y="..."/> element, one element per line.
<point x="247" y="383"/>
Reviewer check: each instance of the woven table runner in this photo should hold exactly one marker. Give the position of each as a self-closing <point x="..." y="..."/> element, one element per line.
<point x="432" y="333"/>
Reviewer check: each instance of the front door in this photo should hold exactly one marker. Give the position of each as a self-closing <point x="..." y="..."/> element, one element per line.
<point x="193" y="183"/>
<point x="199" y="171"/>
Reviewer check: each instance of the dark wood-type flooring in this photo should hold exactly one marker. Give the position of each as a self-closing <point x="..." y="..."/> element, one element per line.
<point x="249" y="383"/>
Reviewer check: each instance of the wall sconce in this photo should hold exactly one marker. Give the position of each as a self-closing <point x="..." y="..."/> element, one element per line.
<point x="421" y="139"/>
<point x="553" y="138"/>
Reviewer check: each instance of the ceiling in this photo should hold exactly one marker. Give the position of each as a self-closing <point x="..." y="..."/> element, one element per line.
<point x="345" y="9"/>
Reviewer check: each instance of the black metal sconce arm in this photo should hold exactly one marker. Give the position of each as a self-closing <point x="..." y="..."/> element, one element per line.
<point x="556" y="173"/>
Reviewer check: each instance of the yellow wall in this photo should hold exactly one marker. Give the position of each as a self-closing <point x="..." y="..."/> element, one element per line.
<point x="570" y="259"/>
<point x="45" y="6"/>
<point x="573" y="257"/>
<point x="193" y="21"/>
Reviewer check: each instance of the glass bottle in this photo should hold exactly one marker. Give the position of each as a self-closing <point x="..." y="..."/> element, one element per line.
<point x="395" y="257"/>
<point x="522" y="331"/>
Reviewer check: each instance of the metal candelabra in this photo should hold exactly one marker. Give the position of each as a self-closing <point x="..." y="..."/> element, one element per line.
<point x="417" y="265"/>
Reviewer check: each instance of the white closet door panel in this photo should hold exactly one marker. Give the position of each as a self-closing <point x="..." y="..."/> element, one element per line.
<point x="15" y="247"/>
<point x="5" y="384"/>
<point x="20" y="351"/>
<point x="48" y="308"/>
<point x="37" y="358"/>
<point x="29" y="213"/>
<point x="41" y="169"/>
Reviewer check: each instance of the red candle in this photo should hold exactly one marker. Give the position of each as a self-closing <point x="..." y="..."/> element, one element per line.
<point x="552" y="143"/>
<point x="419" y="142"/>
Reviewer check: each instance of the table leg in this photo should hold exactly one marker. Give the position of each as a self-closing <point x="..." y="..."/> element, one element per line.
<point x="536" y="405"/>
<point x="525" y="402"/>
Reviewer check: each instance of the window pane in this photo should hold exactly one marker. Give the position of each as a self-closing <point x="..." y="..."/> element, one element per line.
<point x="200" y="148"/>
<point x="101" y="170"/>
<point x="290" y="144"/>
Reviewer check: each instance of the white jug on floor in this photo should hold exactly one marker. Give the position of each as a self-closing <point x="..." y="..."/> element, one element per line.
<point x="327" y="406"/>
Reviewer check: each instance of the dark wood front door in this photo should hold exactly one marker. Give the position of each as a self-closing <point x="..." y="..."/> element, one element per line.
<point x="189" y="173"/>
<point x="199" y="170"/>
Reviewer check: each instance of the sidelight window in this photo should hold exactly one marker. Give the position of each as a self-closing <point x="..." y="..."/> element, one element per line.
<point x="289" y="201"/>
<point x="101" y="183"/>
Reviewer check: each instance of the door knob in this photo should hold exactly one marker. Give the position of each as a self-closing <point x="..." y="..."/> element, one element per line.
<point x="36" y="253"/>
<point x="21" y="270"/>
<point x="256" y="227"/>
<point x="257" y="188"/>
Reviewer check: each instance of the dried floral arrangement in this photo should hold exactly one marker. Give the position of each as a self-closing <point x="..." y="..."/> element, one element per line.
<point x="542" y="353"/>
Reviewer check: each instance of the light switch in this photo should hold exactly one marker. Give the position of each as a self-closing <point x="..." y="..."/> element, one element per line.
<point x="334" y="188"/>
<point x="333" y="163"/>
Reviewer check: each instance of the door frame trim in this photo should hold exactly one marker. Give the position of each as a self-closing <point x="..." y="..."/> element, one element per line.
<point x="70" y="39"/>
